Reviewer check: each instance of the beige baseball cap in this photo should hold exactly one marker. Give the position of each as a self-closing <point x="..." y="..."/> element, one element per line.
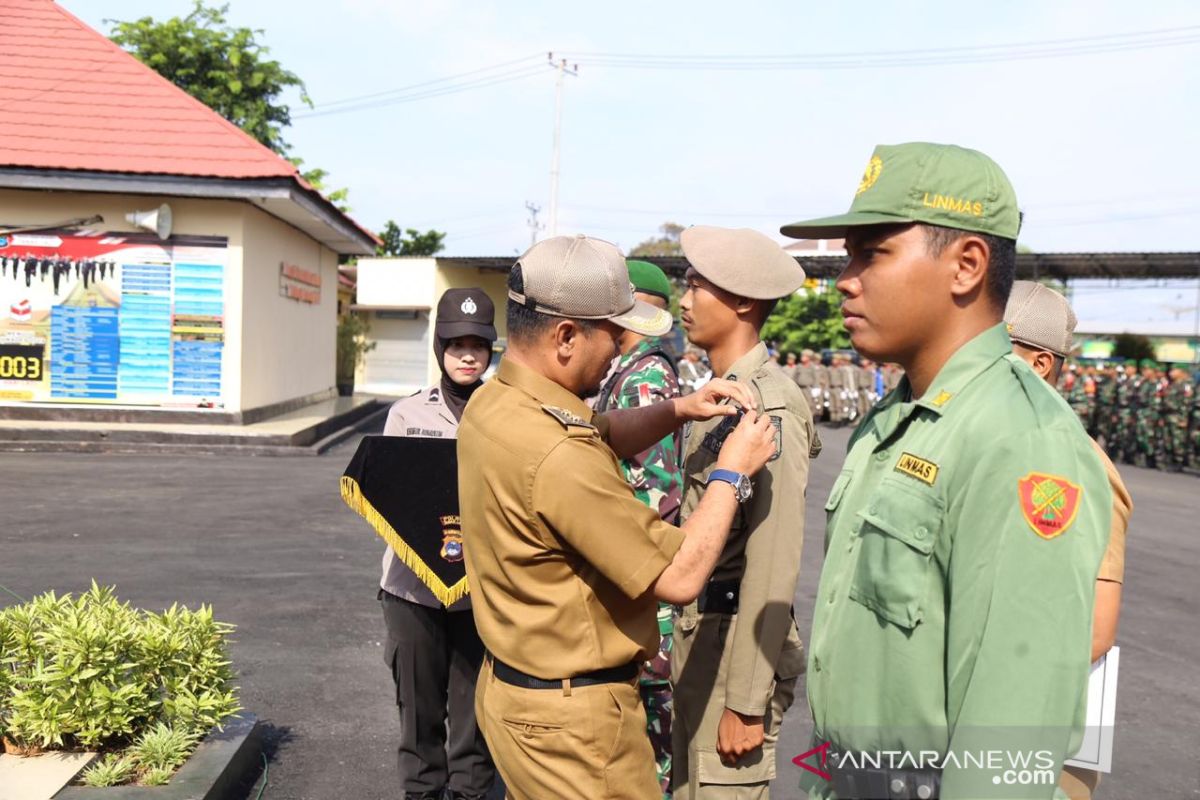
<point x="584" y="278"/>
<point x="1039" y="317"/>
<point x="742" y="261"/>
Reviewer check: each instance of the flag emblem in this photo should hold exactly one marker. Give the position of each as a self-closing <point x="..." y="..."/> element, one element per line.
<point x="1048" y="502"/>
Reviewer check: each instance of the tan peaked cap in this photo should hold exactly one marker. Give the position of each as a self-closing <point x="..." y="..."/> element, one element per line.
<point x="1040" y="317"/>
<point x="741" y="261"/>
<point x="585" y="278"/>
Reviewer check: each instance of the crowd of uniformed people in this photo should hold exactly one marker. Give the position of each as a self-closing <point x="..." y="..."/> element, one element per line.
<point x="1144" y="412"/>
<point x="633" y="524"/>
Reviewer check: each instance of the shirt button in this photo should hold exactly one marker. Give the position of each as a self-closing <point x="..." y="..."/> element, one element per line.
<point x="831" y="598"/>
<point x="882" y="455"/>
<point x="897" y="786"/>
<point x="874" y="509"/>
<point x="816" y="664"/>
<point x="922" y="532"/>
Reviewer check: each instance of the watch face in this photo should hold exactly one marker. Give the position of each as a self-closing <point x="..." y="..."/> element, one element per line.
<point x="744" y="489"/>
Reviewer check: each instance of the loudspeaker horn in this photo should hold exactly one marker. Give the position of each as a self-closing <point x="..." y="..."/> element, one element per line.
<point x="157" y="220"/>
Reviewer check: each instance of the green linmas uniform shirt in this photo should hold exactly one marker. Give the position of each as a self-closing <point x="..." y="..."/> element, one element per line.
<point x="963" y="540"/>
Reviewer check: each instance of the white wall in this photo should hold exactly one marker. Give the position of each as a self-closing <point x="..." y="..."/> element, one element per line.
<point x="397" y="282"/>
<point x="288" y="347"/>
<point x="399" y="363"/>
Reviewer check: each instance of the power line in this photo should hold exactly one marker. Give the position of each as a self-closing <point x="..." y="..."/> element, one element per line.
<point x="415" y="92"/>
<point x="448" y="78"/>
<point x="1019" y="51"/>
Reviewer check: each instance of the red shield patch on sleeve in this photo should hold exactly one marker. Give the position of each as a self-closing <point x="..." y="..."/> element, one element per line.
<point x="1048" y="502"/>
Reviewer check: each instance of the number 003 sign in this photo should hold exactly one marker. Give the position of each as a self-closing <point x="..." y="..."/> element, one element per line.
<point x="21" y="362"/>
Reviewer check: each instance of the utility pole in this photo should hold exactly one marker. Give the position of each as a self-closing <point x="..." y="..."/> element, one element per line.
<point x="534" y="226"/>
<point x="561" y="68"/>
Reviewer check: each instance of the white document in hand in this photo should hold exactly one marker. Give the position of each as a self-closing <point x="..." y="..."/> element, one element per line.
<point x="1096" y="752"/>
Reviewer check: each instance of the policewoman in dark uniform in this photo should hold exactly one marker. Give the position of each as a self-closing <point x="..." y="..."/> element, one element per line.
<point x="435" y="652"/>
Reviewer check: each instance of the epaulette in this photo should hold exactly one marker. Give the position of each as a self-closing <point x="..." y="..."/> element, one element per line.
<point x="570" y="420"/>
<point x="771" y="392"/>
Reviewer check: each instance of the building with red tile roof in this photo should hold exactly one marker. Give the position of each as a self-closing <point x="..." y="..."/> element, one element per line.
<point x="232" y="311"/>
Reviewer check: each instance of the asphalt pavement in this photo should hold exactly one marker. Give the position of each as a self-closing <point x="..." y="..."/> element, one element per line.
<point x="269" y="544"/>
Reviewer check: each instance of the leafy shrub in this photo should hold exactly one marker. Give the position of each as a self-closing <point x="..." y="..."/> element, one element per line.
<point x="111" y="770"/>
<point x="91" y="671"/>
<point x="163" y="747"/>
<point x="158" y="776"/>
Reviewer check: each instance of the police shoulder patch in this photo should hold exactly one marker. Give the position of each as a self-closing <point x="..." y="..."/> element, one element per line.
<point x="1049" y="503"/>
<point x="917" y="467"/>
<point x="567" y="419"/>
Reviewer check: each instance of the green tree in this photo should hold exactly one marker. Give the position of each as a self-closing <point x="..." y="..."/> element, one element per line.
<point x="1132" y="345"/>
<point x="665" y="245"/>
<point x="227" y="69"/>
<point x="410" y="242"/>
<point x="807" y="319"/>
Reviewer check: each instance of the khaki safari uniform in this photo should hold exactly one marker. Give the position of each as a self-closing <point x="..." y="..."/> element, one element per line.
<point x="738" y="646"/>
<point x="1078" y="782"/>
<point x="561" y="557"/>
<point x="964" y="537"/>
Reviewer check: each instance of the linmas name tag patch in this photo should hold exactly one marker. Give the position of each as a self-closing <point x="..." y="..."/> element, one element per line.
<point x="917" y="467"/>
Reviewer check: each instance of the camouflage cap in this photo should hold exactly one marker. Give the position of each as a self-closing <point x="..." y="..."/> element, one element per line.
<point x="1039" y="317"/>
<point x="937" y="184"/>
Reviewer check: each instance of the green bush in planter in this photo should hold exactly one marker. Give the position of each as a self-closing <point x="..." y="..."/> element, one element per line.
<point x="91" y="671"/>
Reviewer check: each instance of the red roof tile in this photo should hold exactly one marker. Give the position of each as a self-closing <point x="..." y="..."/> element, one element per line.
<point x="74" y="100"/>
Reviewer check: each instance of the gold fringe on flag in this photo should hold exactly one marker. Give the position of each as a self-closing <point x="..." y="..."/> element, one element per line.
<point x="446" y="595"/>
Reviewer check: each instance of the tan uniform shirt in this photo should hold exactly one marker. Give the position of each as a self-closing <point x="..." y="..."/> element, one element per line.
<point x="1112" y="568"/>
<point x="422" y="415"/>
<point x="765" y="540"/>
<point x="559" y="552"/>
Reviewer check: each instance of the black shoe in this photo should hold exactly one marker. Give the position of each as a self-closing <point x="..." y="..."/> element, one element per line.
<point x="453" y="795"/>
<point x="433" y="794"/>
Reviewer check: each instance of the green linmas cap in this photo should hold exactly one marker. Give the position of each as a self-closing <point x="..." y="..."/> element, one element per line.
<point x="1148" y="363"/>
<point x="648" y="278"/>
<point x="938" y="184"/>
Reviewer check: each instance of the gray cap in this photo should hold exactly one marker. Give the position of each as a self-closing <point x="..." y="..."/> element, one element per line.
<point x="584" y="278"/>
<point x="742" y="261"/>
<point x="1040" y="317"/>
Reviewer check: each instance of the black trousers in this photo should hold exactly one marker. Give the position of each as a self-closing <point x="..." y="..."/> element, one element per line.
<point x="435" y="656"/>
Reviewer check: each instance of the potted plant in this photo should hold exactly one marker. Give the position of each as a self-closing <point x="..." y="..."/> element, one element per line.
<point x="352" y="346"/>
<point x="91" y="673"/>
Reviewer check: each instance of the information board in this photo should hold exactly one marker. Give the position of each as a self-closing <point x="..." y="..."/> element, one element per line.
<point x="117" y="318"/>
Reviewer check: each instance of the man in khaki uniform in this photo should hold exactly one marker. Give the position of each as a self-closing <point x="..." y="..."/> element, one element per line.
<point x="737" y="652"/>
<point x="566" y="565"/>
<point x="1041" y="324"/>
<point x="806" y="379"/>
<point x="824" y="404"/>
<point x="837" y="391"/>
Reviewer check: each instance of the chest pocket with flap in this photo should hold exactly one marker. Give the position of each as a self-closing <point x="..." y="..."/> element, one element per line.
<point x="900" y="526"/>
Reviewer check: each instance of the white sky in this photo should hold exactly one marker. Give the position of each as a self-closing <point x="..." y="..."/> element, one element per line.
<point x="1102" y="148"/>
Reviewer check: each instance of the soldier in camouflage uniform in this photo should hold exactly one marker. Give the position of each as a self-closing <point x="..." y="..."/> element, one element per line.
<point x="1074" y="391"/>
<point x="644" y="373"/>
<point x="1193" y="449"/>
<point x="1149" y="411"/>
<point x="1177" y="405"/>
<point x="1106" y="408"/>
<point x="1124" y="430"/>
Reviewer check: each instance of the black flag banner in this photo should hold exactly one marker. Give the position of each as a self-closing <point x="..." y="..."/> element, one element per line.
<point x="407" y="489"/>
